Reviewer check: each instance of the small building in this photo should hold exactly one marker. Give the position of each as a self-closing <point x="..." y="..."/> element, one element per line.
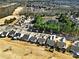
<point x="61" y="46"/>
<point x="25" y="37"/>
<point x="33" y="39"/>
<point x="52" y="37"/>
<point x="16" y="36"/>
<point x="75" y="49"/>
<point x="63" y="39"/>
<point x="4" y="34"/>
<point x="11" y="33"/>
<point x="41" y="41"/>
<point x="50" y="42"/>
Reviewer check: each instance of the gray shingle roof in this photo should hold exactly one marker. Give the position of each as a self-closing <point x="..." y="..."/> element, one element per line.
<point x="11" y="33"/>
<point x="61" y="44"/>
<point x="25" y="37"/>
<point x="50" y="42"/>
<point x="4" y="33"/>
<point x="33" y="39"/>
<point x="75" y="49"/>
<point x="17" y="35"/>
<point x="41" y="41"/>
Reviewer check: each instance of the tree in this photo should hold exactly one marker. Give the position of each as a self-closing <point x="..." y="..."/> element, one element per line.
<point x="64" y="25"/>
<point x="9" y="21"/>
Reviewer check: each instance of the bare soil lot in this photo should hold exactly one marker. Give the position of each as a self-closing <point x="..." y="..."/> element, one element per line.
<point x="22" y="50"/>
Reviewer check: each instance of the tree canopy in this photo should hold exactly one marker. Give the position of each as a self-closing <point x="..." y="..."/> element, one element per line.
<point x="64" y="24"/>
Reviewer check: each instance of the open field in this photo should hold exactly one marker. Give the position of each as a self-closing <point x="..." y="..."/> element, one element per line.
<point x="22" y="50"/>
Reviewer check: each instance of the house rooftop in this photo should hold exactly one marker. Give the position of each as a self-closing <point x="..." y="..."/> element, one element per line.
<point x="11" y="32"/>
<point x="17" y="34"/>
<point x="41" y="41"/>
<point x="75" y="49"/>
<point x="50" y="42"/>
<point x="4" y="33"/>
<point x="61" y="44"/>
<point x="33" y="39"/>
<point x="25" y="37"/>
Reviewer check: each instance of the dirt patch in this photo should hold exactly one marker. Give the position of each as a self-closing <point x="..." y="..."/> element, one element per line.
<point x="24" y="50"/>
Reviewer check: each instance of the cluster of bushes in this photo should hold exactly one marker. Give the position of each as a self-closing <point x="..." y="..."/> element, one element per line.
<point x="64" y="25"/>
<point x="9" y="21"/>
<point x="42" y="25"/>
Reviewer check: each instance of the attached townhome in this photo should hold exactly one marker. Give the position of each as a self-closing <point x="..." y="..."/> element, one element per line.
<point x="61" y="45"/>
<point x="41" y="41"/>
<point x="16" y="36"/>
<point x="33" y="39"/>
<point x="51" y="41"/>
<point x="4" y="34"/>
<point x="25" y="37"/>
<point x="75" y="49"/>
<point x="11" y="33"/>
